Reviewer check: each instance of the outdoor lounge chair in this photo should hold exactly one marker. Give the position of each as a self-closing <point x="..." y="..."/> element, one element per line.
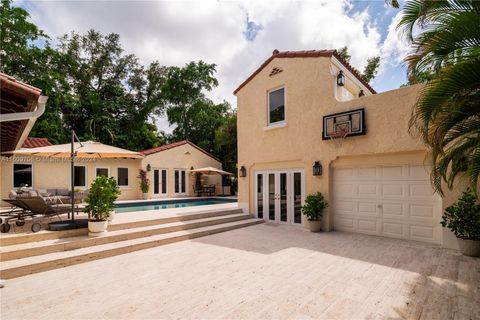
<point x="18" y="212"/>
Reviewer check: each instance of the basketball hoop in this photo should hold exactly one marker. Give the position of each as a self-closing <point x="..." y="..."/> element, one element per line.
<point x="338" y="137"/>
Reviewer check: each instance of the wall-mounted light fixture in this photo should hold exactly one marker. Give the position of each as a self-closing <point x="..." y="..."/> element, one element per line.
<point x="317" y="168"/>
<point x="243" y="172"/>
<point x="191" y="168"/>
<point x="340" y="79"/>
<point x="361" y="94"/>
<point x="149" y="167"/>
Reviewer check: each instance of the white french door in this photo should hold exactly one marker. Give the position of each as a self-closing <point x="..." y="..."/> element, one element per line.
<point x="160" y="182"/>
<point x="180" y="179"/>
<point x="279" y="195"/>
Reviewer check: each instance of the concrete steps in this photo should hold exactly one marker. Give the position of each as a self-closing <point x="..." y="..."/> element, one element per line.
<point x="32" y="257"/>
<point x="117" y="224"/>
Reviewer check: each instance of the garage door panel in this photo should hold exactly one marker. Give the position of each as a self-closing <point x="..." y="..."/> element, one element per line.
<point x="393" y="210"/>
<point x="367" y="190"/>
<point x="391" y="228"/>
<point x="392" y="172"/>
<point x="368" y="226"/>
<point x="392" y="190"/>
<point x="367" y="208"/>
<point x="392" y="201"/>
<point x="422" y="211"/>
<point x="422" y="233"/>
<point x="370" y="172"/>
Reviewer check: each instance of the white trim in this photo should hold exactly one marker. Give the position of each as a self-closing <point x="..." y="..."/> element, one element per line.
<point x="128" y="178"/>
<point x="290" y="200"/>
<point x="13" y="174"/>
<point x="160" y="194"/>
<point x="180" y="180"/>
<point x="86" y="177"/>
<point x="284" y="121"/>
<point x="108" y="168"/>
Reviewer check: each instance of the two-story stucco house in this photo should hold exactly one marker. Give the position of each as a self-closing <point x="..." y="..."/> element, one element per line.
<point x="374" y="179"/>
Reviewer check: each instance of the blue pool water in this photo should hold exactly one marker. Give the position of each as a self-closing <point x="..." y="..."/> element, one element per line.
<point x="168" y="204"/>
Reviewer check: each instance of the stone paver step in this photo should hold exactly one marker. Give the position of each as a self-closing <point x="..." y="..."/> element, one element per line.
<point x="21" y="267"/>
<point x="120" y="222"/>
<point x="30" y="249"/>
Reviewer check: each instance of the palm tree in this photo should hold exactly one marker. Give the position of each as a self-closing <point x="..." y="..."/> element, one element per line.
<point x="445" y="37"/>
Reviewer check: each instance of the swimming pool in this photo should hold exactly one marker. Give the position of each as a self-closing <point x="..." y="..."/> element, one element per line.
<point x="168" y="204"/>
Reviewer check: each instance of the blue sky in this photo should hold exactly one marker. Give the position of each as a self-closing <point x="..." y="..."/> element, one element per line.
<point x="236" y="35"/>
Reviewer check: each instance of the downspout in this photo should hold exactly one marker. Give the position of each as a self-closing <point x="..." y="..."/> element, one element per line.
<point x="30" y="116"/>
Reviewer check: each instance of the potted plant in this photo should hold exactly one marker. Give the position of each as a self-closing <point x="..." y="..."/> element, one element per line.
<point x="100" y="204"/>
<point x="463" y="219"/>
<point x="313" y="210"/>
<point x="144" y="183"/>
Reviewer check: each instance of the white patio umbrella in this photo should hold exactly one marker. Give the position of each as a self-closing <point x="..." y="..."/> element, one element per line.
<point x="212" y="170"/>
<point x="88" y="149"/>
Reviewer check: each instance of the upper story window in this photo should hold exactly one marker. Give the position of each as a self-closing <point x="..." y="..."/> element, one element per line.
<point x="276" y="106"/>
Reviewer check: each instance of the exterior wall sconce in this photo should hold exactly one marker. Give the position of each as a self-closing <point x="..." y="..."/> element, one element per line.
<point x="149" y="167"/>
<point x="243" y="172"/>
<point x="317" y="168"/>
<point x="361" y="94"/>
<point x="340" y="79"/>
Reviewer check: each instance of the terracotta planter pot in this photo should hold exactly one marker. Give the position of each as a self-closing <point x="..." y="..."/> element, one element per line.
<point x="97" y="228"/>
<point x="469" y="248"/>
<point x="314" y="226"/>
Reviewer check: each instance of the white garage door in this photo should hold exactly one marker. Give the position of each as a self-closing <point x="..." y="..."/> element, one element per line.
<point x="391" y="201"/>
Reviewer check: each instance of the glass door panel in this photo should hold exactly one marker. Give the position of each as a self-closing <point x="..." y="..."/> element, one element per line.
<point x="164" y="181"/>
<point x="297" y="197"/>
<point x="259" y="195"/>
<point x="271" y="196"/>
<point x="283" y="199"/>
<point x="156" y="182"/>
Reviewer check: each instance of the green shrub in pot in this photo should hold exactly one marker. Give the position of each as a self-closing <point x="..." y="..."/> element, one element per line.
<point x="101" y="198"/>
<point x="313" y="209"/>
<point x="463" y="219"/>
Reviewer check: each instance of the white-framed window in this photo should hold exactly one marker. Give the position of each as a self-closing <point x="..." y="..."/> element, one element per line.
<point x="22" y="175"/>
<point x="180" y="181"/>
<point x="79" y="176"/>
<point x="276" y="106"/>
<point x="102" y="171"/>
<point x="122" y="177"/>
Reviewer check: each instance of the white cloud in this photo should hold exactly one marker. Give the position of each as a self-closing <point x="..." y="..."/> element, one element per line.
<point x="395" y="47"/>
<point x="177" y="32"/>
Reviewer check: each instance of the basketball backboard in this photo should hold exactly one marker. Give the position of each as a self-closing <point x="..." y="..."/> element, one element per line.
<point x="348" y="123"/>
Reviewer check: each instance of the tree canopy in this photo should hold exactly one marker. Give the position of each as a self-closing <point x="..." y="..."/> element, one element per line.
<point x="371" y="69"/>
<point x="105" y="94"/>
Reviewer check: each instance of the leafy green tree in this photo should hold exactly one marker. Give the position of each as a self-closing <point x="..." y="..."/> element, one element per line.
<point x="194" y="116"/>
<point x="371" y="69"/>
<point x="226" y="142"/>
<point x="41" y="67"/>
<point x="446" y="44"/>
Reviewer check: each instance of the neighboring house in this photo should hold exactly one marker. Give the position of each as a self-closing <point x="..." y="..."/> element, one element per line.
<point x="169" y="167"/>
<point x="169" y="173"/>
<point x="36" y="142"/>
<point x="376" y="182"/>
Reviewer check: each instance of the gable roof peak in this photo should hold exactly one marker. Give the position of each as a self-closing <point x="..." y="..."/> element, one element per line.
<point x="308" y="54"/>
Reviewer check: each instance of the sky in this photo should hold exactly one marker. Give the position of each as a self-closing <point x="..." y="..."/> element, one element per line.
<point x="235" y="35"/>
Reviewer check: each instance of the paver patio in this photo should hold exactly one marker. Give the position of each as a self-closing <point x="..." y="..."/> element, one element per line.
<point x="264" y="271"/>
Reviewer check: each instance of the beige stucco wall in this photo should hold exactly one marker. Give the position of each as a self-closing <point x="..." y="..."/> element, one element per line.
<point x="54" y="173"/>
<point x="310" y="86"/>
<point x="181" y="157"/>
